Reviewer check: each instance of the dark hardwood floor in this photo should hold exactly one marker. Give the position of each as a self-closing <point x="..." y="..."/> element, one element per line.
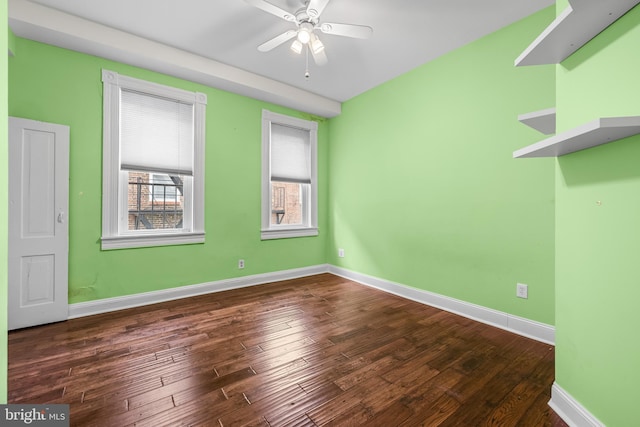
<point x="315" y="351"/>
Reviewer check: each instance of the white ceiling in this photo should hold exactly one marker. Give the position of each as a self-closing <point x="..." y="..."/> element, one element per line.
<point x="407" y="33"/>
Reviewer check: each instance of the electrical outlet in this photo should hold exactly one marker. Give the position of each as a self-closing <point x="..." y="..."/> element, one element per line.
<point x="341" y="253"/>
<point x="240" y="263"/>
<point x="522" y="290"/>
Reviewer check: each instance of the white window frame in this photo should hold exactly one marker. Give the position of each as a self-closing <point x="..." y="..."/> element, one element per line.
<point x="280" y="231"/>
<point x="115" y="233"/>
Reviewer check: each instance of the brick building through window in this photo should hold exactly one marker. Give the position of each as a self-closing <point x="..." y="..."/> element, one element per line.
<point x="286" y="203"/>
<point x="154" y="201"/>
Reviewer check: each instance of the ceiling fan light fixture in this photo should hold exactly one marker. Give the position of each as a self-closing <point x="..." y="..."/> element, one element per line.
<point x="296" y="46"/>
<point x="316" y="45"/>
<point x="307" y="20"/>
<point x="304" y="34"/>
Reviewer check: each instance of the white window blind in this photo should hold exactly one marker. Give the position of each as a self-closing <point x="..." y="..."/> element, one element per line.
<point x="290" y="154"/>
<point x="156" y="134"/>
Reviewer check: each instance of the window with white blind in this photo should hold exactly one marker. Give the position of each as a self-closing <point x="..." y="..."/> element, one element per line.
<point x="153" y="171"/>
<point x="289" y="177"/>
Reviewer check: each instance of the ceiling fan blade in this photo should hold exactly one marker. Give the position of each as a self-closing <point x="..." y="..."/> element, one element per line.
<point x="277" y="41"/>
<point x="348" y="30"/>
<point x="272" y="9"/>
<point x="315" y="7"/>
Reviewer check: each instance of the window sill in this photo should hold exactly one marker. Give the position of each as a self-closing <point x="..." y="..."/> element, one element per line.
<point x="138" y="241"/>
<point x="286" y="233"/>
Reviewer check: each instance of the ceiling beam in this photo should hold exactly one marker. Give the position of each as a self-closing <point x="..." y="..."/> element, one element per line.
<point x="43" y="24"/>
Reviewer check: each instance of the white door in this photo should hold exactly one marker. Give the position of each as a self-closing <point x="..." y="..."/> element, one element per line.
<point x="38" y="229"/>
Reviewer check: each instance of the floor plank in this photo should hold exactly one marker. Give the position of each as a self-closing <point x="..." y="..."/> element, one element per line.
<point x="315" y="351"/>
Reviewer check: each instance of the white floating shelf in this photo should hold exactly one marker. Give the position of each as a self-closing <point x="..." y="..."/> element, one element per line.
<point x="574" y="27"/>
<point x="544" y="121"/>
<point x="592" y="134"/>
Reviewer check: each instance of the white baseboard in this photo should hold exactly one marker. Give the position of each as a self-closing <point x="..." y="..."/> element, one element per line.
<point x="519" y="325"/>
<point x="570" y="410"/>
<point x="128" y="301"/>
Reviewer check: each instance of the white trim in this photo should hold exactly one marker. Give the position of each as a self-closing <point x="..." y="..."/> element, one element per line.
<point x="310" y="226"/>
<point x="528" y="328"/>
<point x="110" y="154"/>
<point x="149" y="240"/>
<point x="570" y="410"/>
<point x="157" y="89"/>
<point x="44" y="24"/>
<point x="115" y="233"/>
<point x="129" y="301"/>
<point x="286" y="233"/>
<point x="519" y="325"/>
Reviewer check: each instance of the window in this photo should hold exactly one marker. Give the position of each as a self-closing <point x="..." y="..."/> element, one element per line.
<point x="153" y="172"/>
<point x="166" y="188"/>
<point x="289" y="177"/>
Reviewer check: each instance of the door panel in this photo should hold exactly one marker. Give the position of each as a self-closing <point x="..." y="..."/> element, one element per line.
<point x="37" y="283"/>
<point x="38" y="181"/>
<point x="38" y="230"/>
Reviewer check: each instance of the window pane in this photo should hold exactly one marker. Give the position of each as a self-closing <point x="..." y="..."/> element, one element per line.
<point x="155" y="201"/>
<point x="164" y="188"/>
<point x="287" y="205"/>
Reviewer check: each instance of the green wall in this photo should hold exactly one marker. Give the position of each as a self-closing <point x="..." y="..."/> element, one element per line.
<point x="3" y="201"/>
<point x="597" y="244"/>
<point x="11" y="41"/>
<point x="60" y="86"/>
<point x="424" y="189"/>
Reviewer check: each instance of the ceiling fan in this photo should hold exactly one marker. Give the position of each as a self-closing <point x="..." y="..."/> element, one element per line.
<point x="307" y="20"/>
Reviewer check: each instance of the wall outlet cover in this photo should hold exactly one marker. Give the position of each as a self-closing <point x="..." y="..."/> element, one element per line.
<point x="522" y="290"/>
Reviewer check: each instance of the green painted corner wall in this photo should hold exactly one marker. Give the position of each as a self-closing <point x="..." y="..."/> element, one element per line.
<point x="50" y="84"/>
<point x="424" y="189"/>
<point x="11" y="41"/>
<point x="598" y="231"/>
<point x="561" y="5"/>
<point x="4" y="201"/>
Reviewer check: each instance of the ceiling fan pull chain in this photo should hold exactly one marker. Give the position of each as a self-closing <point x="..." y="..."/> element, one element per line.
<point x="306" y="72"/>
